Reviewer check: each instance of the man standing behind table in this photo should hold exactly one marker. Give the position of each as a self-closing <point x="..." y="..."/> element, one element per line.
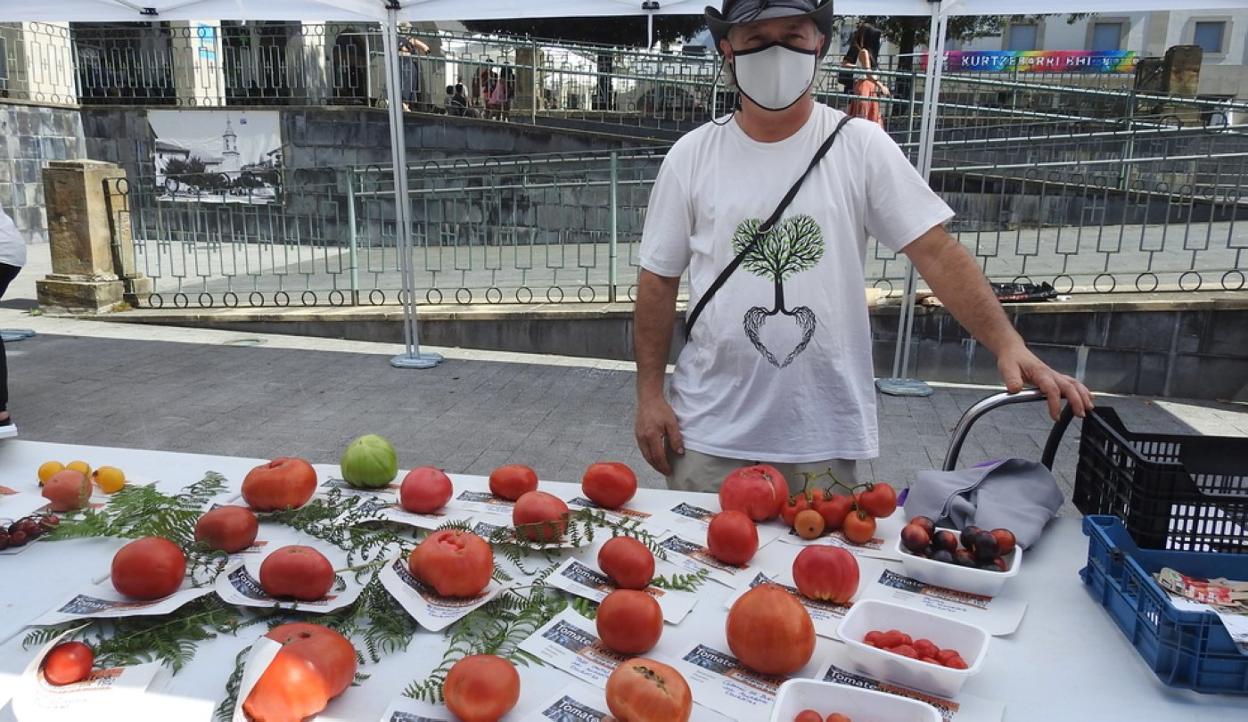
<point x="777" y="367"/>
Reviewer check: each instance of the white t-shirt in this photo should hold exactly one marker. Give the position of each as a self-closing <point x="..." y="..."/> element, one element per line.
<point x="12" y="246"/>
<point x="781" y="372"/>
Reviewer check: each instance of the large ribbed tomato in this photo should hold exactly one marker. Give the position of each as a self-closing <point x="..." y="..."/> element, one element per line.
<point x="148" y="568"/>
<point x="769" y="631"/>
<point x="455" y="563"/>
<point x="643" y="690"/>
<point x="826" y="573"/>
<point x="758" y="490"/>
<point x="481" y="688"/>
<point x="283" y="483"/>
<point x="314" y="665"/>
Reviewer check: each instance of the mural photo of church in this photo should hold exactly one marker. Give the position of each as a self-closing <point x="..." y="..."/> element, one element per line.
<point x="224" y="156"/>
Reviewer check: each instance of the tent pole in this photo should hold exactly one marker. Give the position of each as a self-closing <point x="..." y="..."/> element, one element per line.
<point x="411" y="358"/>
<point x="898" y="384"/>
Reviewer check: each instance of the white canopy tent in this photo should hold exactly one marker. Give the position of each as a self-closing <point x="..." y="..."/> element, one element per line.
<point x="390" y="13"/>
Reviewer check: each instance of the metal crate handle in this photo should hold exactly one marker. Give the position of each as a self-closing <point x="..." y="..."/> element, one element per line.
<point x="983" y="406"/>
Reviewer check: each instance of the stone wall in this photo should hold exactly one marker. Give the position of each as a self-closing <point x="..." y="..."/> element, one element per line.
<point x="30" y="136"/>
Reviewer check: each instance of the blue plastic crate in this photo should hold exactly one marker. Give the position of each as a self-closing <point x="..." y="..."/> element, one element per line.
<point x="1186" y="649"/>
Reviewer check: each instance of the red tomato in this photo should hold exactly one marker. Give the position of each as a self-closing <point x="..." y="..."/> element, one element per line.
<point x="834" y="509"/>
<point x="425" y="490"/>
<point x="859" y="527"/>
<point x="297" y="572"/>
<point x="540" y="517"/>
<point x="926" y="648"/>
<point x="826" y="573"/>
<point x="643" y="690"/>
<point x="609" y="484"/>
<point x="770" y="631"/>
<point x="893" y="638"/>
<point x="837" y="717"/>
<point x="758" y="490"/>
<point x="732" y="538"/>
<point x="148" y="568"/>
<point x="283" y="483"/>
<point x="314" y="665"/>
<point x="905" y="650"/>
<point x="455" y="563"/>
<point x="629" y="621"/>
<point x="67" y="490"/>
<point x="879" y="500"/>
<point x="227" y="528"/>
<point x="481" y="688"/>
<point x="67" y="663"/>
<point x="955" y="662"/>
<point x="792" y="507"/>
<point x="512" y="481"/>
<point x="808" y="715"/>
<point x="628" y="562"/>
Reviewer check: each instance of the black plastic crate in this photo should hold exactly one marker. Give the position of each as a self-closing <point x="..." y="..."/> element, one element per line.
<point x="1186" y="493"/>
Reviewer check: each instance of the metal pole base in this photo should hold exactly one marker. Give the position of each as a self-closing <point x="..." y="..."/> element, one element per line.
<point x="904" y="387"/>
<point x="417" y="361"/>
<point x="12" y="335"/>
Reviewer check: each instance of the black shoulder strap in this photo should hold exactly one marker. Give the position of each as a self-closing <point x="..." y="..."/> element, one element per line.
<point x="762" y="229"/>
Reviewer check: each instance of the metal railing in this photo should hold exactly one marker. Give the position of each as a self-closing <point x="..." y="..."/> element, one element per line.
<point x="565" y="228"/>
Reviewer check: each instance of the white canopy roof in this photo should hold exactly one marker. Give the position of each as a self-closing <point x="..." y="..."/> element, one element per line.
<point x="137" y="10"/>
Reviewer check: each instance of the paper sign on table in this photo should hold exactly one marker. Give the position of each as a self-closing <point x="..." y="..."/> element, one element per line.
<point x="487" y="528"/>
<point x="838" y="668"/>
<point x="719" y="681"/>
<point x="427" y="607"/>
<point x="569" y="642"/>
<point x="102" y="601"/>
<point x="238" y="585"/>
<point x="261" y="655"/>
<point x="583" y="580"/>
<point x="689" y="516"/>
<point x="875" y="548"/>
<point x="483" y="502"/>
<point x="110" y="693"/>
<point x="692" y="557"/>
<point x="996" y="615"/>
<point x="405" y="709"/>
<point x="826" y="616"/>
<point x="579" y="702"/>
<point x="616" y="515"/>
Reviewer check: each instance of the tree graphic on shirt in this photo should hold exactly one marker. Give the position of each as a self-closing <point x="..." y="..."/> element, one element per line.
<point x="794" y="245"/>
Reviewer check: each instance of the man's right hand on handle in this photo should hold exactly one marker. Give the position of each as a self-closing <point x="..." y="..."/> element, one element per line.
<point x="657" y="430"/>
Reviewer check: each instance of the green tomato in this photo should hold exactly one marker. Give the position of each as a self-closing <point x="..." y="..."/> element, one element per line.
<point x="369" y="462"/>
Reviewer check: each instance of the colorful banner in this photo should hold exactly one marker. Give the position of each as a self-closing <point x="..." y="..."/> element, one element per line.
<point x="1039" y="61"/>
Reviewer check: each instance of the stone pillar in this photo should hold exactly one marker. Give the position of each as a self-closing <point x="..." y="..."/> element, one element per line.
<point x="83" y="275"/>
<point x="198" y="65"/>
<point x="308" y="57"/>
<point x="116" y="194"/>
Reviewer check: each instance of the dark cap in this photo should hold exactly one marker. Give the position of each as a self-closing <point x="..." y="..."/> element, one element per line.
<point x="736" y="12"/>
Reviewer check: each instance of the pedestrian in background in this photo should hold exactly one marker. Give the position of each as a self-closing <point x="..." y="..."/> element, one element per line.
<point x="12" y="258"/>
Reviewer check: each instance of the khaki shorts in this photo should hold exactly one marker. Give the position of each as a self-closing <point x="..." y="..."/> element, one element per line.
<point x="695" y="471"/>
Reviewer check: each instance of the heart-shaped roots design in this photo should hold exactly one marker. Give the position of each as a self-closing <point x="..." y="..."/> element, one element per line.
<point x="756" y="318"/>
